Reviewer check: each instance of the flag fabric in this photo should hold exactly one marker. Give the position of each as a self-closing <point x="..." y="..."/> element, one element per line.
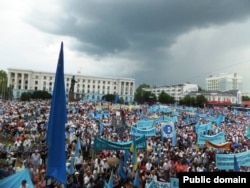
<point x="56" y="166"/>
<point x="125" y="158"/>
<point x="134" y="151"/>
<point x="136" y="181"/>
<point x="101" y="130"/>
<point x="248" y="132"/>
<point x="121" y="172"/>
<point x="151" y="184"/>
<point x="111" y="180"/>
<point x="72" y="166"/>
<point x="236" y="165"/>
<point x="78" y="148"/>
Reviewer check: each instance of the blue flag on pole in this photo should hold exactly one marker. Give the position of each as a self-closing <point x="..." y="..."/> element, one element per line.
<point x="56" y="166"/>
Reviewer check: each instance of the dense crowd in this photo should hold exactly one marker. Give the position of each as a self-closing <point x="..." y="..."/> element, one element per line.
<point x="23" y="144"/>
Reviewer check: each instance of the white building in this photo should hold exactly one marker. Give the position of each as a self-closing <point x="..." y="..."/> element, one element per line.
<point x="220" y="98"/>
<point x="177" y="91"/>
<point x="88" y="88"/>
<point x="224" y="82"/>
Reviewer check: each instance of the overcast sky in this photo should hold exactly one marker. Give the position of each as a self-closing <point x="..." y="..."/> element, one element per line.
<point x="157" y="42"/>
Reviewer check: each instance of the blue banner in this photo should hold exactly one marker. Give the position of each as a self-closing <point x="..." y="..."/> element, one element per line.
<point x="103" y="144"/>
<point x="144" y="123"/>
<point x="215" y="139"/>
<point x="226" y="161"/>
<point x="174" y="182"/>
<point x="202" y="128"/>
<point x="145" y="132"/>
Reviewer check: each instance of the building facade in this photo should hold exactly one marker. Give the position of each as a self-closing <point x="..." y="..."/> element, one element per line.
<point x="88" y="88"/>
<point x="224" y="82"/>
<point x="177" y="91"/>
<point x="220" y="98"/>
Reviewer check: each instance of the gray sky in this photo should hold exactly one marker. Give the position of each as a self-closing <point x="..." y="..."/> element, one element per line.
<point x="159" y="42"/>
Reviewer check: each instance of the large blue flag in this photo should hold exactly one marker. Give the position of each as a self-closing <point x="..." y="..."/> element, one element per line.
<point x="56" y="166"/>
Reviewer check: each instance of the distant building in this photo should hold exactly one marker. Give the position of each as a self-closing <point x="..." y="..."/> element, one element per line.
<point x="177" y="91"/>
<point x="89" y="88"/>
<point x="224" y="82"/>
<point x="220" y="98"/>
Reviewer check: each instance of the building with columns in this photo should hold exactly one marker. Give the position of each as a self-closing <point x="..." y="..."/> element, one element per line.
<point x="88" y="88"/>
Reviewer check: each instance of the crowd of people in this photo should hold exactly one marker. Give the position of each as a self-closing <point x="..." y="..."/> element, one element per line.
<point x="23" y="128"/>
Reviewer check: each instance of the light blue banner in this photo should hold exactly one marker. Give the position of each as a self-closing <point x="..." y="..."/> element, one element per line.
<point x="144" y="124"/>
<point x="174" y="182"/>
<point x="159" y="184"/>
<point x="226" y="161"/>
<point x="140" y="132"/>
<point x="201" y="128"/>
<point x="215" y="139"/>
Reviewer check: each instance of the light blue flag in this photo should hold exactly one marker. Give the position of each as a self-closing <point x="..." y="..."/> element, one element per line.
<point x="248" y="132"/>
<point x="151" y="184"/>
<point x="16" y="179"/>
<point x="111" y="179"/>
<point x="136" y="181"/>
<point x="71" y="169"/>
<point x="56" y="166"/>
<point x="77" y="148"/>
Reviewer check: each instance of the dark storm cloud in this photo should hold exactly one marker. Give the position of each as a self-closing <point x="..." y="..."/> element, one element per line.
<point x="142" y="30"/>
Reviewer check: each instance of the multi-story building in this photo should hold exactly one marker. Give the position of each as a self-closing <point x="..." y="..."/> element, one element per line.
<point x="89" y="88"/>
<point x="177" y="91"/>
<point x="224" y="82"/>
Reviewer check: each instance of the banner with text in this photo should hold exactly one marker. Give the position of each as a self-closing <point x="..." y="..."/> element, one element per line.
<point x="146" y="132"/>
<point x="226" y="161"/>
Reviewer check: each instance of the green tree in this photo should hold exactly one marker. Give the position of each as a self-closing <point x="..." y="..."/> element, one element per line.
<point x="165" y="98"/>
<point x="3" y="85"/>
<point x="200" y="100"/>
<point x="108" y="97"/>
<point x="41" y="95"/>
<point x="149" y="97"/>
<point x="25" y="96"/>
<point x="187" y="101"/>
<point x="245" y="98"/>
<point x="139" y="93"/>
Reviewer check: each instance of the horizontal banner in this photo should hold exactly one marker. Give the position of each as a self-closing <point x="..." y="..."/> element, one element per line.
<point x="224" y="146"/>
<point x="146" y="132"/>
<point x="216" y="139"/>
<point x="226" y="161"/>
<point x="103" y="144"/>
